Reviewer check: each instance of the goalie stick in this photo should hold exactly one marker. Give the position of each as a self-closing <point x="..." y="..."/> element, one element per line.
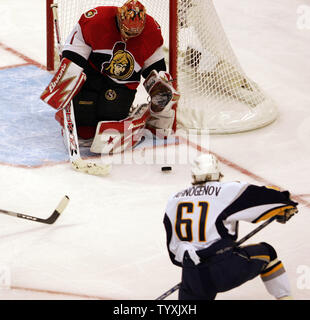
<point x="245" y="238"/>
<point x="70" y="132"/>
<point x="50" y="220"/>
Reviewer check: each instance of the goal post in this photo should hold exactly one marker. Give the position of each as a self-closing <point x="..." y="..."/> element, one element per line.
<point x="50" y="37"/>
<point x="216" y="93"/>
<point x="173" y="39"/>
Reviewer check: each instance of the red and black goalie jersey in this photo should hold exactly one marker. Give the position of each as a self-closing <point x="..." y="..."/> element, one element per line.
<point x="97" y="39"/>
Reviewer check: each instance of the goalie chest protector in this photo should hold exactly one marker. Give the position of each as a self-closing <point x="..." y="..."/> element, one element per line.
<point x="100" y="31"/>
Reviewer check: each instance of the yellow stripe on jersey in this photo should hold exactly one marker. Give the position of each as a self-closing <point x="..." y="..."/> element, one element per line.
<point x="273" y="187"/>
<point x="275" y="271"/>
<point x="275" y="212"/>
<point x="261" y="257"/>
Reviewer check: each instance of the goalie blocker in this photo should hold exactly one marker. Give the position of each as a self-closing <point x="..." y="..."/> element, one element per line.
<point x="67" y="82"/>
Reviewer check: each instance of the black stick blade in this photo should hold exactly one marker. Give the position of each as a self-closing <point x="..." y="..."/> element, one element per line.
<point x="50" y="220"/>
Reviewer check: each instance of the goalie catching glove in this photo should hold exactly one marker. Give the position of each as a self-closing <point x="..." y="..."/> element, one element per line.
<point x="65" y="84"/>
<point x="162" y="93"/>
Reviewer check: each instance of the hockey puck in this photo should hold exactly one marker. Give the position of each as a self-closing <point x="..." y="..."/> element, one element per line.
<point x="166" y="169"/>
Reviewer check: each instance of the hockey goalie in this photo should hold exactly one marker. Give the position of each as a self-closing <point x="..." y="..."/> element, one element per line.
<point x="103" y="61"/>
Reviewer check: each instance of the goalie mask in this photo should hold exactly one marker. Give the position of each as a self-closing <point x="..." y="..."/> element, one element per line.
<point x="205" y="168"/>
<point x="131" y="19"/>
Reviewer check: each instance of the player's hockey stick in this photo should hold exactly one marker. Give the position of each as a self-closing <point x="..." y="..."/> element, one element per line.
<point x="50" y="220"/>
<point x="70" y="132"/>
<point x="245" y="238"/>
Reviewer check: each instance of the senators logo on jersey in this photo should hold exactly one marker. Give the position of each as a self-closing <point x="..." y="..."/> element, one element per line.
<point x="122" y="63"/>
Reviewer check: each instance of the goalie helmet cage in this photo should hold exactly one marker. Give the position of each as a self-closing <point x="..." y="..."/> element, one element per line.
<point x="216" y="95"/>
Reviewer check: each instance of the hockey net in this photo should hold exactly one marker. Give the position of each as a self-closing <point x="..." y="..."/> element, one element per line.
<point x="216" y="94"/>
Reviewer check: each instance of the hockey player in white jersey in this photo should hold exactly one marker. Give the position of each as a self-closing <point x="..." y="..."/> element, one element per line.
<point x="201" y="224"/>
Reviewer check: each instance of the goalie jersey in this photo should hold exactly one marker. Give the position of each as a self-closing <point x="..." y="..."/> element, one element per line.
<point x="202" y="214"/>
<point x="97" y="39"/>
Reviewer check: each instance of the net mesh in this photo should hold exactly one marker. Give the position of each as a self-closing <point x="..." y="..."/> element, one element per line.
<point x="216" y="94"/>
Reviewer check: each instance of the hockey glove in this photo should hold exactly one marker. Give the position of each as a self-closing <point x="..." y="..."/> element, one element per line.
<point x="288" y="213"/>
<point x="158" y="86"/>
<point x="67" y="82"/>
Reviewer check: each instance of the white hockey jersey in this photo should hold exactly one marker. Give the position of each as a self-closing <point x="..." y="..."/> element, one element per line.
<point x="200" y="215"/>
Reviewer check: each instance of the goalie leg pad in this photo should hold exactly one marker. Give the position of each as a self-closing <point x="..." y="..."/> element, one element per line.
<point x="118" y="136"/>
<point x="59" y="116"/>
<point x="84" y="132"/>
